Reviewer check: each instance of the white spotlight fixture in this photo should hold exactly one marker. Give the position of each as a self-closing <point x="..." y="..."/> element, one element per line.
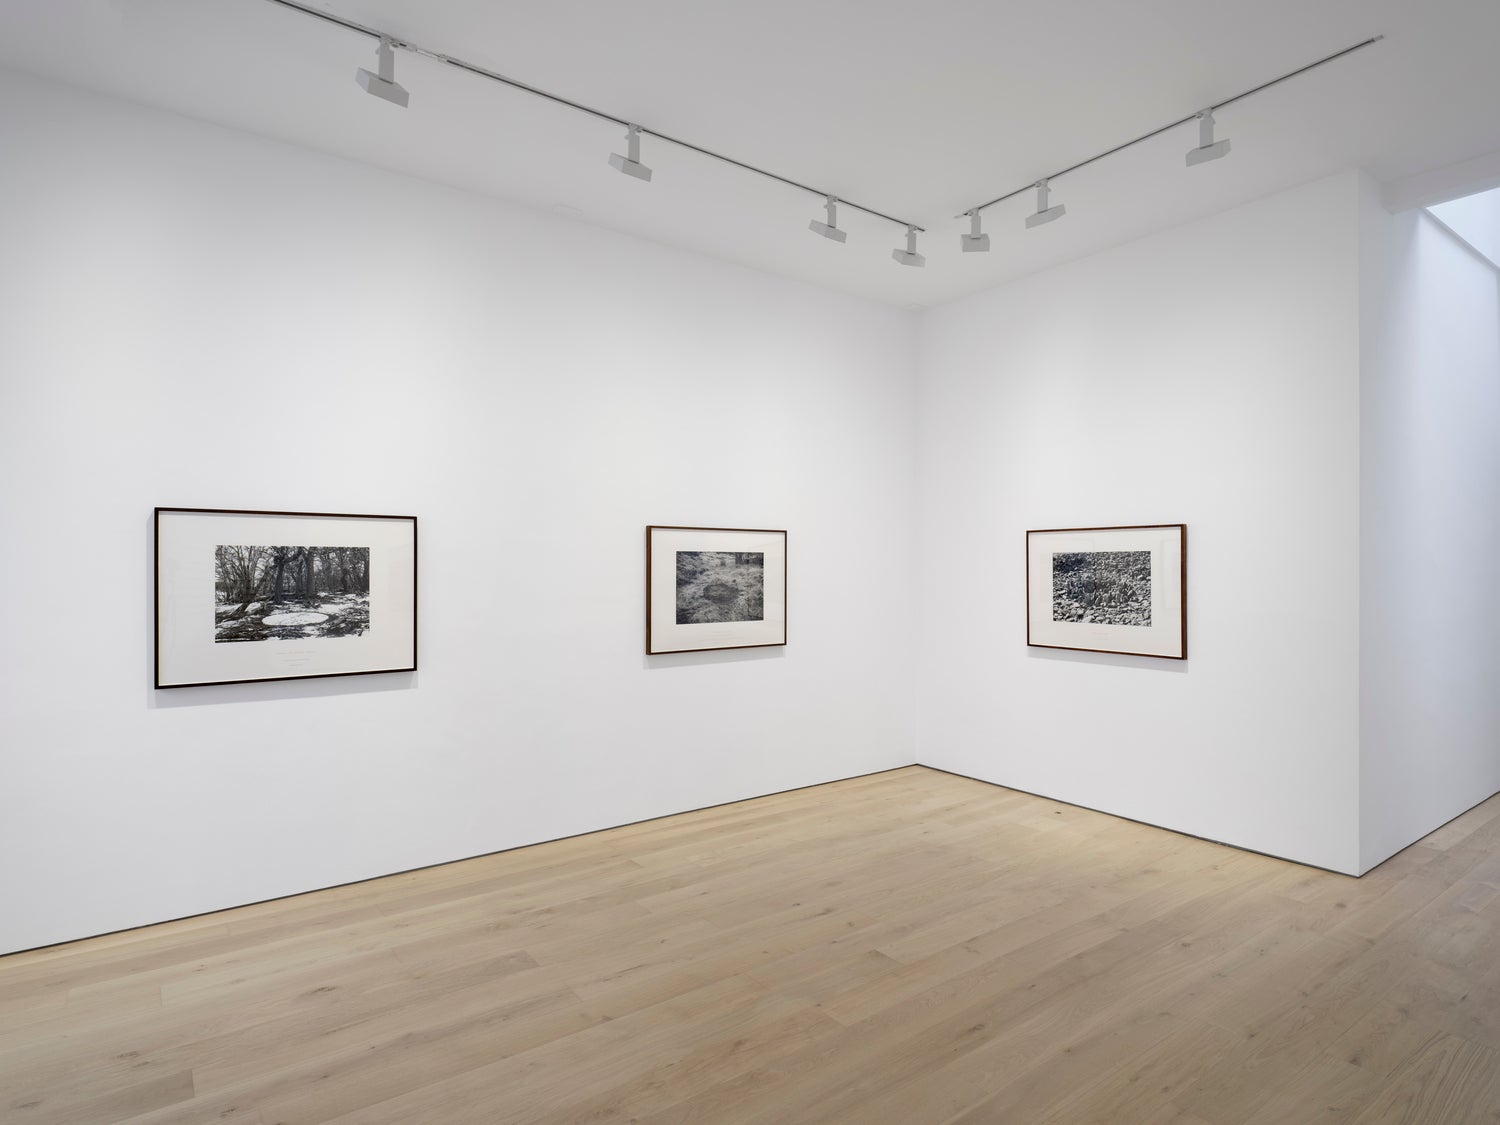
<point x="973" y="241"/>
<point x="1208" y="149"/>
<point x="1044" y="214"/>
<point x="909" y="256"/>
<point x="383" y="84"/>
<point x="631" y="165"/>
<point x="830" y="229"/>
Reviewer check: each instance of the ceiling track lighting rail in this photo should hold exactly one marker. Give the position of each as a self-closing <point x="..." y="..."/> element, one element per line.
<point x="1208" y="148"/>
<point x="634" y="131"/>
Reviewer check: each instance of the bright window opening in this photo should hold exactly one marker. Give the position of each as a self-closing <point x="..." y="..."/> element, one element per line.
<point x="1476" y="220"/>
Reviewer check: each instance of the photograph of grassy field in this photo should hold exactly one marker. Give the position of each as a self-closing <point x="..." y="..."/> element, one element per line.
<point x="718" y="586"/>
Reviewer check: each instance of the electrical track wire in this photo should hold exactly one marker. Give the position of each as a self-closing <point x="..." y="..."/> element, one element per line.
<point x="495" y="76"/>
<point x="1174" y="124"/>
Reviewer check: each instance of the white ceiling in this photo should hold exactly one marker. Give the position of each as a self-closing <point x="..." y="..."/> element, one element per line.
<point x="917" y="111"/>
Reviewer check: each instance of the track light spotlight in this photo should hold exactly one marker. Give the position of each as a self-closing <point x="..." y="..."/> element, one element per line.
<point x="1208" y="149"/>
<point x="909" y="256"/>
<point x="973" y="241"/>
<point x="631" y="165"/>
<point x="1044" y="214"/>
<point x="830" y="229"/>
<point x="383" y="84"/>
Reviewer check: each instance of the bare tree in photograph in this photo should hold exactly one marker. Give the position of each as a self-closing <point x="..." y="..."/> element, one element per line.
<point x="717" y="586"/>
<point x="290" y="593"/>
<point x="1102" y="587"/>
<point x="238" y="572"/>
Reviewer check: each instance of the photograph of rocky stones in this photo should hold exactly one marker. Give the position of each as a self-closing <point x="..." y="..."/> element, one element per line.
<point x="1102" y="587"/>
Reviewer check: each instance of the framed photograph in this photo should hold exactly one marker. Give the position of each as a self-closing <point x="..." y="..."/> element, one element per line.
<point x="1108" y="589"/>
<point x="713" y="588"/>
<point x="248" y="596"/>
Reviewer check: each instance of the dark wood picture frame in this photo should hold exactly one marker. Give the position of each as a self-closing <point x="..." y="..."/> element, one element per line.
<point x="184" y="582"/>
<point x="667" y="633"/>
<point x="1165" y="637"/>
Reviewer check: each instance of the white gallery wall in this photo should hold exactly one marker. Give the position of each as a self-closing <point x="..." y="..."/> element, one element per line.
<point x="198" y="317"/>
<point x="194" y="316"/>
<point x="1429" y="524"/>
<point x="1208" y="375"/>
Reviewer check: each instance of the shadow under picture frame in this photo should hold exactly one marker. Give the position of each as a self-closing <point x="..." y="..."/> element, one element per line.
<point x="1119" y="590"/>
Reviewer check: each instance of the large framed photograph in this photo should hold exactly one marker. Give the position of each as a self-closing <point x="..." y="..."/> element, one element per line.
<point x="714" y="588"/>
<point x="1108" y="589"/>
<point x="248" y="596"/>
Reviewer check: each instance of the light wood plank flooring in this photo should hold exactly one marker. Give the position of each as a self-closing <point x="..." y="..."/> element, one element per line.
<point x="909" y="947"/>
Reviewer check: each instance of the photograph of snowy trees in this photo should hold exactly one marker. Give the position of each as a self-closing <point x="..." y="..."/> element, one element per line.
<point x="290" y="593"/>
<point x="1102" y="587"/>
<point x="715" y="586"/>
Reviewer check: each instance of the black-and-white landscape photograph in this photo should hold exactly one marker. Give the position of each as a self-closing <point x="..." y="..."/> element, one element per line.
<point x="1102" y="587"/>
<point x="715" y="586"/>
<point x="290" y="593"/>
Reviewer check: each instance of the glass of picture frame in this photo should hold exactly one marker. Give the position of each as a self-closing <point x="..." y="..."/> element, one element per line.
<point x="244" y="596"/>
<point x="1108" y="589"/>
<point x="711" y="588"/>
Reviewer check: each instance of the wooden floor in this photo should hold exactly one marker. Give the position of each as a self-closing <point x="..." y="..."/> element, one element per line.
<point x="909" y="947"/>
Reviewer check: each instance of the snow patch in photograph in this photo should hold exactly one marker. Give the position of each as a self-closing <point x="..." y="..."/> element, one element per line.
<point x="295" y="619"/>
